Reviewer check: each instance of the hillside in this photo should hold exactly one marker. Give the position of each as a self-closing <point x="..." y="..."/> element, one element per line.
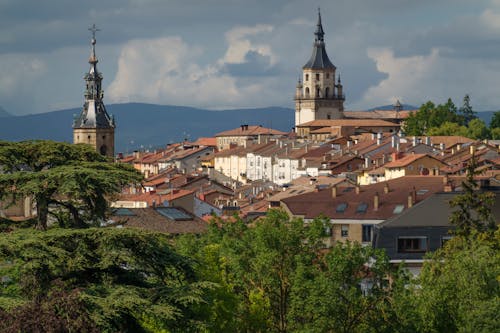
<point x="146" y="125"/>
<point x="4" y="113"/>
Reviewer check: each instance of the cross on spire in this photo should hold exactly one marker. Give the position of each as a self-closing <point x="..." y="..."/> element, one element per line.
<point x="94" y="29"/>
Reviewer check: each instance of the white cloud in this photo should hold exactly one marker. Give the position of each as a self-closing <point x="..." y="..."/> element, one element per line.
<point x="416" y="79"/>
<point x="166" y="71"/>
<point x="240" y="44"/>
<point x="17" y="69"/>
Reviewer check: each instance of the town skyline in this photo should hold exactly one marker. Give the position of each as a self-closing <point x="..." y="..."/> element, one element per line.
<point x="239" y="55"/>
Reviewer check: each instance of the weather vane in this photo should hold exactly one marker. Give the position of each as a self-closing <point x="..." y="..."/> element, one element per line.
<point x="94" y="29"/>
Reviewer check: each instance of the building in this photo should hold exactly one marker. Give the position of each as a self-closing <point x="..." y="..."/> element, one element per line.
<point x="353" y="211"/>
<point x="424" y="228"/>
<point x="317" y="95"/>
<point x="94" y="126"/>
<point x="245" y="133"/>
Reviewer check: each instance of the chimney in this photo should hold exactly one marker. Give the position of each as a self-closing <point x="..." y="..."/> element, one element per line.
<point x="357" y="189"/>
<point x="334" y="191"/>
<point x="441" y="146"/>
<point x="428" y="140"/>
<point x="472" y="150"/>
<point x="386" y="188"/>
<point x="379" y="139"/>
<point x="445" y="179"/>
<point x="410" y="200"/>
<point x="367" y="162"/>
<point x="349" y="143"/>
<point x="373" y="136"/>
<point x="375" y="201"/>
<point x="242" y="127"/>
<point x="281" y="144"/>
<point x="258" y="139"/>
<point x="393" y="141"/>
<point x="414" y="141"/>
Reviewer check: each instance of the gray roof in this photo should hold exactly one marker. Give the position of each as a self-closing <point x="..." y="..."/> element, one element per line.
<point x="432" y="212"/>
<point x="94" y="115"/>
<point x="319" y="59"/>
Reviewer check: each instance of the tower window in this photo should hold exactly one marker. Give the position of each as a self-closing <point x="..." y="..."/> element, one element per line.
<point x="307" y="92"/>
<point x="104" y="137"/>
<point x="318" y="92"/>
<point x="307" y="77"/>
<point x="327" y="92"/>
<point x="317" y="77"/>
<point x="327" y="75"/>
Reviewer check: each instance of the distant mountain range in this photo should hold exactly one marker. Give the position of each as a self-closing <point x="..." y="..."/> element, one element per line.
<point x="148" y="126"/>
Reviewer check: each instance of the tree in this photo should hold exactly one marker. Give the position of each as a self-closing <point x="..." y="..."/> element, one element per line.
<point x="448" y="128"/>
<point x="430" y="116"/>
<point x="495" y="133"/>
<point x="73" y="178"/>
<point x="114" y="279"/>
<point x="466" y="111"/>
<point x="347" y="290"/>
<point x="477" y="129"/>
<point x="473" y="208"/>
<point x="458" y="289"/>
<point x="495" y="120"/>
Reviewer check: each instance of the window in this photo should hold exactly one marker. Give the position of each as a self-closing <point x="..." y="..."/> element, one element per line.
<point x="317" y="76"/>
<point x="307" y="77"/>
<point x="307" y="92"/>
<point x="344" y="230"/>
<point x="327" y="92"/>
<point x="327" y="75"/>
<point x="398" y="209"/>
<point x="328" y="116"/>
<point x="366" y="233"/>
<point x="412" y="244"/>
<point x="341" y="207"/>
<point x="362" y="207"/>
<point x="444" y="239"/>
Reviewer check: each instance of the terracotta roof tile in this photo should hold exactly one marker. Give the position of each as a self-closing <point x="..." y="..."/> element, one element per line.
<point x="252" y="130"/>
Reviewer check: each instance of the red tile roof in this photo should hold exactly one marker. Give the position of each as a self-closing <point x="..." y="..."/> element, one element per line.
<point x="252" y="130"/>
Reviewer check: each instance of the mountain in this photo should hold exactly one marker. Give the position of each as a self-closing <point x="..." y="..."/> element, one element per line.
<point x="4" y="113"/>
<point x="391" y="107"/>
<point x="485" y="116"/>
<point x="146" y="125"/>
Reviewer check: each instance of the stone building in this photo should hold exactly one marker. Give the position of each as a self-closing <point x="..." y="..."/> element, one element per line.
<point x="94" y="126"/>
<point x="317" y="95"/>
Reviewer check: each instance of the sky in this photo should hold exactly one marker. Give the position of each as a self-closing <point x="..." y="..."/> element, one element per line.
<point x="221" y="54"/>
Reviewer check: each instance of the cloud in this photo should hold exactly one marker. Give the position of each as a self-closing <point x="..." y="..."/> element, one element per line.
<point x="416" y="79"/>
<point x="165" y="70"/>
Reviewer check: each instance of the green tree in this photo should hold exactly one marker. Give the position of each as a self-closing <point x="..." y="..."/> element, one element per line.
<point x="448" y="128"/>
<point x="472" y="208"/>
<point x="466" y="111"/>
<point x="120" y="279"/>
<point x="495" y="120"/>
<point x="73" y="178"/>
<point x="477" y="129"/>
<point x="495" y="133"/>
<point x="347" y="290"/>
<point x="430" y="116"/>
<point x="458" y="289"/>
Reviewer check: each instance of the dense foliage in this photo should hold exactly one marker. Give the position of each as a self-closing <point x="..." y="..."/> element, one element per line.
<point x="96" y="279"/>
<point x="446" y="119"/>
<point x="70" y="182"/>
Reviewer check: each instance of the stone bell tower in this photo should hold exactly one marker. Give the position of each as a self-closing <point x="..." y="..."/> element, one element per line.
<point x="317" y="95"/>
<point x="94" y="126"/>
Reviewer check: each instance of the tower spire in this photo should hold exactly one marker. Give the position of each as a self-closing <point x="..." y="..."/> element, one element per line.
<point x="94" y="126"/>
<point x="319" y="29"/>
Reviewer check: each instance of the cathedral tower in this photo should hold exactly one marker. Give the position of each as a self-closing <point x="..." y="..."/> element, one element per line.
<point x="317" y="95"/>
<point x="94" y="126"/>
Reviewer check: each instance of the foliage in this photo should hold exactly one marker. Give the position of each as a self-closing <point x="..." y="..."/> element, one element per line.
<point x="473" y="211"/>
<point x="477" y="129"/>
<point x="448" y="128"/>
<point x="466" y="111"/>
<point x="277" y="276"/>
<point x="495" y="133"/>
<point x="429" y="116"/>
<point x="348" y="290"/>
<point x="126" y="279"/>
<point x="458" y="289"/>
<point x="495" y="120"/>
<point x="73" y="178"/>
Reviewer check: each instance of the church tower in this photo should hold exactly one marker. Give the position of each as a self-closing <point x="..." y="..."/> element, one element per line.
<point x="317" y="95"/>
<point x="94" y="126"/>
